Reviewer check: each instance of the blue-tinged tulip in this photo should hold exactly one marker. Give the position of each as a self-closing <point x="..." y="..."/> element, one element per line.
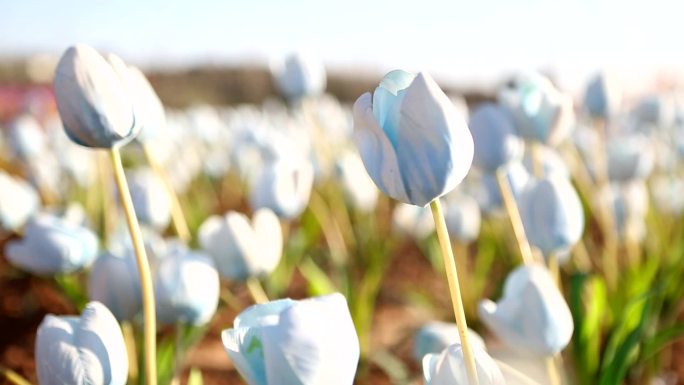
<point x="667" y="194"/>
<point x="149" y="110"/>
<point x="284" y="186"/>
<point x="496" y="141"/>
<point x="299" y="75"/>
<point x="603" y="96"/>
<point x="532" y="317"/>
<point x="19" y="202"/>
<point x="52" y="245"/>
<point x="436" y="336"/>
<point x="551" y="162"/>
<point x="629" y="158"/>
<point x="240" y="248"/>
<point x="186" y="287"/>
<point x="150" y="198"/>
<point x="448" y="367"/>
<point x="488" y="193"/>
<point x="657" y="111"/>
<point x="415" y="145"/>
<point x="286" y="342"/>
<point x="413" y="221"/>
<point x="462" y="216"/>
<point x="541" y="113"/>
<point x="114" y="280"/>
<point x="93" y="100"/>
<point x="359" y="190"/>
<point x="89" y="349"/>
<point x="552" y="214"/>
<point x="26" y="137"/>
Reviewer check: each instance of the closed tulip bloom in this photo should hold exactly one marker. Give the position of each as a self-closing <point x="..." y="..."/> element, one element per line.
<point x="448" y="367"/>
<point x="415" y="145"/>
<point x="240" y="248"/>
<point x="630" y="205"/>
<point x="532" y="317"/>
<point x="629" y="157"/>
<point x="541" y="113"/>
<point x="359" y="190"/>
<point x="552" y="215"/>
<point x="149" y="110"/>
<point x="655" y="111"/>
<point x="150" y="198"/>
<point x="286" y="342"/>
<point x="52" y="245"/>
<point x="603" y="96"/>
<point x="114" y="280"/>
<point x="488" y="193"/>
<point x="462" y="217"/>
<point x="92" y="100"/>
<point x="495" y="138"/>
<point x="284" y="186"/>
<point x="186" y="286"/>
<point x="20" y="201"/>
<point x="89" y="349"/>
<point x="299" y="75"/>
<point x="436" y="336"/>
<point x="26" y="137"/>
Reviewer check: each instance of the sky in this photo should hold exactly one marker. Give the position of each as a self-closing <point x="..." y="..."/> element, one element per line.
<point x="466" y="43"/>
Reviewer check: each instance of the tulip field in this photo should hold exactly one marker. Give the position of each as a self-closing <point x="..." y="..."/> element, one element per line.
<point x="406" y="238"/>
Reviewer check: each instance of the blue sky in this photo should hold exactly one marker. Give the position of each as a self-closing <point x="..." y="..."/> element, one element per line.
<point x="469" y="43"/>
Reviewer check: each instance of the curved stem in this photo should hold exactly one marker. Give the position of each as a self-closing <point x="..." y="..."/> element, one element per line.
<point x="150" y="322"/>
<point x="256" y="290"/>
<point x="514" y="216"/>
<point x="13" y="377"/>
<point x="552" y="370"/>
<point x="454" y="289"/>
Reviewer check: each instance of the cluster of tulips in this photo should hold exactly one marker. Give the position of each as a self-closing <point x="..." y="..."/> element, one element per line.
<point x="530" y="161"/>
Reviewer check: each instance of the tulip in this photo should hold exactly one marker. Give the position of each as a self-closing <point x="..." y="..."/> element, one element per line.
<point x="26" y="137"/>
<point x="532" y="317"/>
<point x="435" y="336"/>
<point x="551" y="162"/>
<point x="629" y="157"/>
<point x="186" y="288"/>
<point x="286" y="342"/>
<point x="655" y="110"/>
<point x="413" y="221"/>
<point x="603" y="96"/>
<point x="462" y="217"/>
<point x="494" y="136"/>
<point x="358" y="188"/>
<point x="448" y="367"/>
<point x="541" y="113"/>
<point x="114" y="281"/>
<point x="52" y="245"/>
<point x="242" y="249"/>
<point x="415" y="145"/>
<point x="284" y="186"/>
<point x="149" y="110"/>
<point x="488" y="193"/>
<point x="89" y="349"/>
<point x="552" y="215"/>
<point x="667" y="194"/>
<point x="19" y="204"/>
<point x="92" y="100"/>
<point x="298" y="76"/>
<point x="630" y="205"/>
<point x="150" y="198"/>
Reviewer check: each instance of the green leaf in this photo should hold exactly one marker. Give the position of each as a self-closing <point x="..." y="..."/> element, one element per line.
<point x="662" y="339"/>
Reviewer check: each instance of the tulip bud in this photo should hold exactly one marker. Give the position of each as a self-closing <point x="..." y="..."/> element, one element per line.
<point x="629" y="157"/>
<point x="359" y="190"/>
<point x="415" y="145"/>
<point x="495" y="138"/>
<point x="89" y="349"/>
<point x="532" y="317"/>
<point x="603" y="96"/>
<point x="150" y="198"/>
<point x="448" y="367"/>
<point x="93" y="100"/>
<point x="284" y="186"/>
<point x="242" y="249"/>
<point x="299" y="75"/>
<point x="306" y="342"/>
<point x="114" y="280"/>
<point x="488" y="194"/>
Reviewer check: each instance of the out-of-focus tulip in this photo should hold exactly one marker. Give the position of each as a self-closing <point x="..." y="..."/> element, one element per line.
<point x="436" y="336"/>
<point x="448" y="367"/>
<point x="541" y="113"/>
<point x="114" y="280"/>
<point x="629" y="157"/>
<point x="495" y="138"/>
<point x="667" y="194"/>
<point x="150" y="198"/>
<point x="186" y="286"/>
<point x="52" y="245"/>
<point x="630" y="204"/>
<point x="551" y="162"/>
<point x="20" y="201"/>
<point x="462" y="216"/>
<point x="89" y="349"/>
<point x="307" y="342"/>
<point x="603" y="96"/>
<point x="359" y="190"/>
<point x="149" y="110"/>
<point x="657" y="111"/>
<point x="415" y="145"/>
<point x="299" y="75"/>
<point x="284" y="186"/>
<point x="532" y="317"/>
<point x="242" y="249"/>
<point x="93" y="100"/>
<point x="414" y="221"/>
<point x="488" y="193"/>
<point x="26" y="137"/>
<point x="552" y="214"/>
